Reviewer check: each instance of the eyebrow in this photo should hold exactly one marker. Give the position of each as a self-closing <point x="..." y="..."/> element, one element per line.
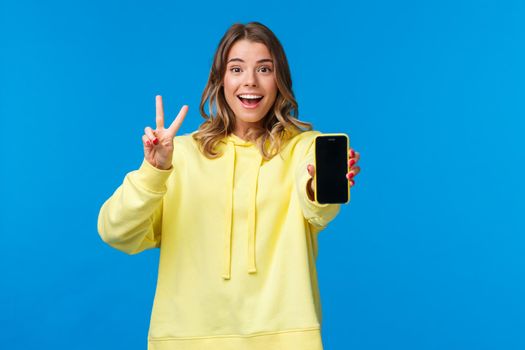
<point x="259" y="61"/>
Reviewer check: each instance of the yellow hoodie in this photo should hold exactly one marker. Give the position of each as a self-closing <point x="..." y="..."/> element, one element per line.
<point x="238" y="244"/>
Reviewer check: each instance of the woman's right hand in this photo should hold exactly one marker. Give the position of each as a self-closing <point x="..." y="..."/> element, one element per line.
<point x="158" y="143"/>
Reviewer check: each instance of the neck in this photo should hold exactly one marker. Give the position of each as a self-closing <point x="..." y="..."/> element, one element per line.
<point x="241" y="128"/>
<point x="236" y="133"/>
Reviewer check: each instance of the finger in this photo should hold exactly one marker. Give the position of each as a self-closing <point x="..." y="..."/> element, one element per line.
<point x="160" y="112"/>
<point x="150" y="134"/>
<point x="175" y="125"/>
<point x="352" y="153"/>
<point x="355" y="158"/>
<point x="353" y="161"/>
<point x="146" y="141"/>
<point x="311" y="170"/>
<point x="352" y="182"/>
<point x="355" y="170"/>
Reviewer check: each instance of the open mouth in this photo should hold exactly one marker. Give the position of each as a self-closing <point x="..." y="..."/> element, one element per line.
<point x="250" y="101"/>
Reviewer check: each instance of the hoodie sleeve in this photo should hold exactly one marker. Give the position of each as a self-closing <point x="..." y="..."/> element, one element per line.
<point x="318" y="215"/>
<point x="130" y="220"/>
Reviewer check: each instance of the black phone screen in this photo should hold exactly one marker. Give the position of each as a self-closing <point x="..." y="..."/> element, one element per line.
<point x="331" y="166"/>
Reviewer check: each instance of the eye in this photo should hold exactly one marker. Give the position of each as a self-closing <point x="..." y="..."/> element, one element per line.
<point x="235" y="69"/>
<point x="265" y="69"/>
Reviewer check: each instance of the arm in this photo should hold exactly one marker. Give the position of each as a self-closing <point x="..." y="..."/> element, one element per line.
<point x="130" y="220"/>
<point x="318" y="215"/>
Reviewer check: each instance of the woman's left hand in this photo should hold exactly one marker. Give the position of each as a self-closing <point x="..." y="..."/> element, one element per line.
<point x="353" y="158"/>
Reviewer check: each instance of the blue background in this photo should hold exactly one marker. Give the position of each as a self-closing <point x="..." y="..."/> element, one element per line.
<point x="429" y="254"/>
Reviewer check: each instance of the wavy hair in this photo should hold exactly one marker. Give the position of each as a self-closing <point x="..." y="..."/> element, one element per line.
<point x="278" y="125"/>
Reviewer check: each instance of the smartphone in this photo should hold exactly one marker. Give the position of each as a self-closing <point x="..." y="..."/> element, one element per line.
<point x="331" y="167"/>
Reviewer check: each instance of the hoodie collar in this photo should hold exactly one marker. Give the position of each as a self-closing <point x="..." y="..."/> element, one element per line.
<point x="236" y="140"/>
<point x="232" y="142"/>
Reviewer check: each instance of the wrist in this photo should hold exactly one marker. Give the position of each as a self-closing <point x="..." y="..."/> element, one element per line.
<point x="163" y="167"/>
<point x="309" y="190"/>
<point x="159" y="166"/>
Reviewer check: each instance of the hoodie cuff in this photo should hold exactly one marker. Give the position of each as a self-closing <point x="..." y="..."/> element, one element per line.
<point x="151" y="178"/>
<point x="316" y="213"/>
<point x="312" y="205"/>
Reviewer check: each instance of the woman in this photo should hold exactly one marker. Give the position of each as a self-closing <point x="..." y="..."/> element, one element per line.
<point x="231" y="208"/>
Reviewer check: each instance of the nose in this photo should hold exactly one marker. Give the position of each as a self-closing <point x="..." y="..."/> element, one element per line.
<point x="250" y="79"/>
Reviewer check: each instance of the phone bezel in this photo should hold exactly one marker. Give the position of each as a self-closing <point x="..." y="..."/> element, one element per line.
<point x="327" y="135"/>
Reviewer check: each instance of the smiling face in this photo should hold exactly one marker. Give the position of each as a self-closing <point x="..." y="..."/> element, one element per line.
<point x="249" y="83"/>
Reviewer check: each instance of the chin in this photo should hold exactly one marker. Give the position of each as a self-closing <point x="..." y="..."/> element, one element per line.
<point x="249" y="117"/>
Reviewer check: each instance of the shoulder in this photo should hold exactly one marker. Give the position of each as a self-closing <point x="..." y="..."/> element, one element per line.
<point x="307" y="136"/>
<point x="303" y="141"/>
<point x="185" y="140"/>
<point x="184" y="148"/>
<point x="300" y="145"/>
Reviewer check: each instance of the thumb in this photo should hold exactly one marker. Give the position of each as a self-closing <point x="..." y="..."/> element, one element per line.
<point x="311" y="169"/>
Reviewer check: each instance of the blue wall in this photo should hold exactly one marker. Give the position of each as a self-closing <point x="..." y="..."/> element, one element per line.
<point x="429" y="254"/>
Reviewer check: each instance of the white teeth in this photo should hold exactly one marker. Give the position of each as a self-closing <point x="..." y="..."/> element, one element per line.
<point x="250" y="96"/>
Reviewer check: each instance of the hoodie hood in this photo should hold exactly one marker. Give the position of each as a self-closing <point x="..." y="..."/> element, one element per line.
<point x="233" y="145"/>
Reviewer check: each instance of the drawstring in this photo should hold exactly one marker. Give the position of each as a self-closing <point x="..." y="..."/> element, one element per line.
<point x="252" y="268"/>
<point x="252" y="200"/>
<point x="230" y="155"/>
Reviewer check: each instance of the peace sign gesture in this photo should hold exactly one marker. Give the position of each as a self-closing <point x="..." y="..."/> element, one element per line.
<point x="158" y="143"/>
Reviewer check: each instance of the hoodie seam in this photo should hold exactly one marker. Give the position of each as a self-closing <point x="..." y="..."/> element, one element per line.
<point x="253" y="335"/>
<point x="138" y="184"/>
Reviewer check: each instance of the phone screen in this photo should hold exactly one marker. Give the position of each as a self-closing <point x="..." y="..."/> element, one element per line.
<point x="331" y="166"/>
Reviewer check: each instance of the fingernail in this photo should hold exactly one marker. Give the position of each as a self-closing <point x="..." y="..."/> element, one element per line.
<point x="350" y="175"/>
<point x="352" y="153"/>
<point x="352" y="162"/>
<point x="148" y="143"/>
<point x="156" y="141"/>
<point x="352" y="182"/>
